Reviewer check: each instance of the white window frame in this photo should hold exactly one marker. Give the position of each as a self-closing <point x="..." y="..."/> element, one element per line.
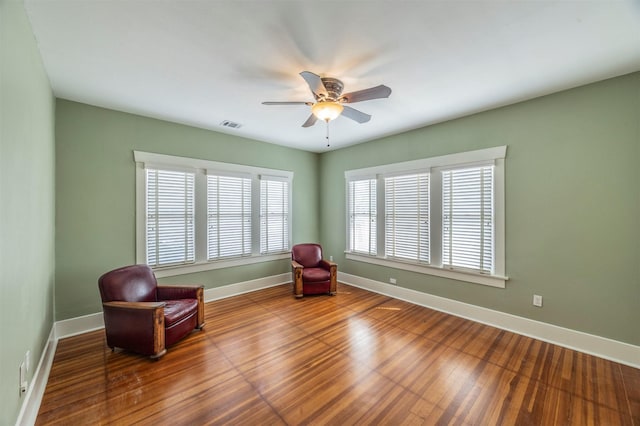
<point x="461" y="250"/>
<point x="187" y="216"/>
<point x="245" y="232"/>
<point x="372" y="217"/>
<point x="434" y="165"/>
<point x="201" y="168"/>
<point x="421" y="215"/>
<point x="287" y="217"/>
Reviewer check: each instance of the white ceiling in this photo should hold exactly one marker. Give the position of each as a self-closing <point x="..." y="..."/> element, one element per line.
<point x="201" y="62"/>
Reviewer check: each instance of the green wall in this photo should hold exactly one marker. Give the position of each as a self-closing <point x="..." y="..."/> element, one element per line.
<point x="572" y="201"/>
<point x="572" y="205"/>
<point x="26" y="204"/>
<point x="95" y="195"/>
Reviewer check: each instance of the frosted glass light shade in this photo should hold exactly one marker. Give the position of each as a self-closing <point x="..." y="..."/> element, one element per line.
<point x="327" y="111"/>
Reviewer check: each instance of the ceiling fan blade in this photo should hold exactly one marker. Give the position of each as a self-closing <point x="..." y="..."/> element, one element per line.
<point x="315" y="83"/>
<point x="377" y="92"/>
<point x="287" y="103"/>
<point x="355" y="115"/>
<point x="310" y="121"/>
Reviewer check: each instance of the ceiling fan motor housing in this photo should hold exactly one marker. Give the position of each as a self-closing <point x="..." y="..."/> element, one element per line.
<point x="334" y="88"/>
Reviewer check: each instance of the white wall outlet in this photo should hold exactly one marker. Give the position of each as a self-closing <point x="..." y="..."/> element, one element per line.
<point x="537" y="300"/>
<point x="392" y="280"/>
<point x="23" y="379"/>
<point x="331" y="258"/>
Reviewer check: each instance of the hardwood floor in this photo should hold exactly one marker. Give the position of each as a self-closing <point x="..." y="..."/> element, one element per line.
<point x="356" y="358"/>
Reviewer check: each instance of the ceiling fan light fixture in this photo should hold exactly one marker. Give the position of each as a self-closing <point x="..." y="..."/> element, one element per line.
<point x="327" y="110"/>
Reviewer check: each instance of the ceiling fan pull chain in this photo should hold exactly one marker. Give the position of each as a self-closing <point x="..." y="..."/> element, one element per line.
<point x="327" y="121"/>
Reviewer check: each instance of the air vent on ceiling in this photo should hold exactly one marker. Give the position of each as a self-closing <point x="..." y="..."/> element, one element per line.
<point x="230" y="124"/>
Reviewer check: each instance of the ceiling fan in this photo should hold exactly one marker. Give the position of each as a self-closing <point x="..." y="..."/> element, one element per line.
<point x="329" y="100"/>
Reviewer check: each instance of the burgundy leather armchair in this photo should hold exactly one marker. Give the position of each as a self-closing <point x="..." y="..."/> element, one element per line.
<point x="311" y="273"/>
<point x="143" y="317"/>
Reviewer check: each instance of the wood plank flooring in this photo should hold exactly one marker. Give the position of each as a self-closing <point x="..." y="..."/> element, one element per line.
<point x="356" y="358"/>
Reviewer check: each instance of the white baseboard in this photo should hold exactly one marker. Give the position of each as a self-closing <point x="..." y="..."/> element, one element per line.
<point x="602" y="347"/>
<point x="223" y="292"/>
<point x="31" y="404"/>
<point x="78" y="325"/>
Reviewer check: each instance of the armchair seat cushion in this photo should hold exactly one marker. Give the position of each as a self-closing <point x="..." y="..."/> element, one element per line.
<point x="315" y="274"/>
<point x="177" y="310"/>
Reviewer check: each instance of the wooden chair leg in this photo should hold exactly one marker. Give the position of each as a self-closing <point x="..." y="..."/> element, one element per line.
<point x="333" y="289"/>
<point x="297" y="283"/>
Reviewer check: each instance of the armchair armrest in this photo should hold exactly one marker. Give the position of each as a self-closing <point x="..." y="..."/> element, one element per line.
<point x="148" y="335"/>
<point x="297" y="278"/>
<point x="174" y="292"/>
<point x="332" y="267"/>
<point x="326" y="264"/>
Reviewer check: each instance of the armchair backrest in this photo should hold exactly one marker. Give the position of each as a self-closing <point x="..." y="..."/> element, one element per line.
<point x="308" y="255"/>
<point x="135" y="283"/>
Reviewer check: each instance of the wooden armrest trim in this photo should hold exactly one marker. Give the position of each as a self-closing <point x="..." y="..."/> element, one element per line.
<point x="134" y="305"/>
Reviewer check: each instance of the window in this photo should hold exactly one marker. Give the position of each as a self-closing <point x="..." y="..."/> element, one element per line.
<point x="407" y="217"/>
<point x="194" y="215"/>
<point x="362" y="216"/>
<point x="274" y="215"/>
<point x="228" y="216"/>
<point x="467" y="219"/>
<point x="170" y="217"/>
<point x="443" y="216"/>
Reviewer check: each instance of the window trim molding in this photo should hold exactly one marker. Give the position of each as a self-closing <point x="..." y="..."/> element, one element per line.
<point x="218" y="264"/>
<point x="411" y="166"/>
<point x="164" y="160"/>
<point x="202" y="168"/>
<point x="489" y="280"/>
<point x="494" y="155"/>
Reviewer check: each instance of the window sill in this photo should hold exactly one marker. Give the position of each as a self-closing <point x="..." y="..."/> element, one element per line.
<point x="217" y="264"/>
<point x="489" y="280"/>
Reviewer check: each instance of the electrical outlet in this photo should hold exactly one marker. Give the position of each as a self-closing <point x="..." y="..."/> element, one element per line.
<point x="23" y="379"/>
<point x="392" y="280"/>
<point x="331" y="258"/>
<point x="537" y="300"/>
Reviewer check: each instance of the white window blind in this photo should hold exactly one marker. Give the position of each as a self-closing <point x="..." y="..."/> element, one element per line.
<point x="228" y="216"/>
<point x="407" y="217"/>
<point x="274" y="215"/>
<point x="170" y="217"/>
<point x="468" y="219"/>
<point x="362" y="216"/>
